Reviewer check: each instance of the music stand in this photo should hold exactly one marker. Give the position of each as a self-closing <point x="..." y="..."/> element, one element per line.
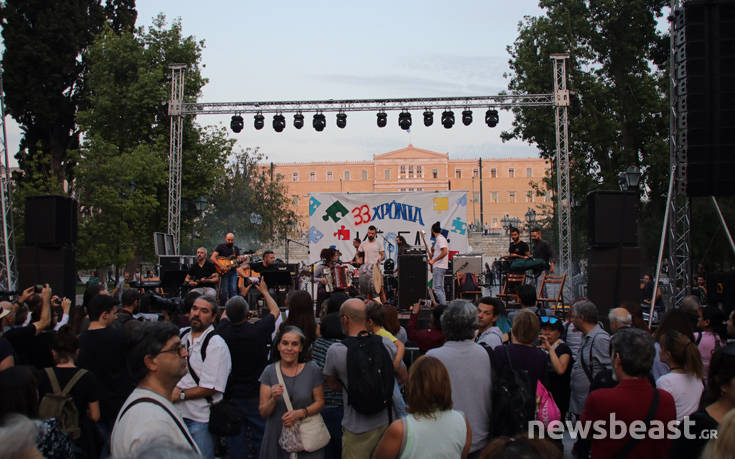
<point x="277" y="278"/>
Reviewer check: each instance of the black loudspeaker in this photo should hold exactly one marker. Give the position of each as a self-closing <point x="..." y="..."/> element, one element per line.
<point x="51" y="221"/>
<point x="411" y="280"/>
<point x="55" y="266"/>
<point x="614" y="277"/>
<point x="721" y="290"/>
<point x="612" y="218"/>
<point x="705" y="71"/>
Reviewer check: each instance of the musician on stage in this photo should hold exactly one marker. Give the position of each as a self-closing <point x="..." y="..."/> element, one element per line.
<point x="439" y="260"/>
<point x="228" y="282"/>
<point x="203" y="274"/>
<point x="371" y="249"/>
<point x="357" y="260"/>
<point x="517" y="248"/>
<point x="267" y="265"/>
<point x="542" y="249"/>
<point x="402" y="244"/>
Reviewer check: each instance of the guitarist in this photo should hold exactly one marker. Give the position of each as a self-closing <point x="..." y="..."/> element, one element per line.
<point x="439" y="261"/>
<point x="228" y="281"/>
<point x="203" y="274"/>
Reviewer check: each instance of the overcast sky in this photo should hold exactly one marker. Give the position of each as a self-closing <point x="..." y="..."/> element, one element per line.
<point x="344" y="50"/>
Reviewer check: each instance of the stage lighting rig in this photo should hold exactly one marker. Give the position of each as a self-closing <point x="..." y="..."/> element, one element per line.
<point x="467" y="117"/>
<point x="279" y="122"/>
<point x="298" y="120"/>
<point x="382" y="119"/>
<point x="320" y="122"/>
<point x="237" y="123"/>
<point x="491" y="118"/>
<point x="404" y="120"/>
<point x="341" y="120"/>
<point x="259" y="121"/>
<point x="428" y="118"/>
<point x="448" y="119"/>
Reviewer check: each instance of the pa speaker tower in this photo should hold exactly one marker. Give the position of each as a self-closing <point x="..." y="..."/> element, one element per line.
<point x="411" y="280"/>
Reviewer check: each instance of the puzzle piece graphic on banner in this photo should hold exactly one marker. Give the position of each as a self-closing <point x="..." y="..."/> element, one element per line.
<point x="463" y="201"/>
<point x="313" y="205"/>
<point x="315" y="235"/>
<point x="441" y="204"/>
<point x="342" y="234"/>
<point x="458" y="226"/>
<point x="336" y="211"/>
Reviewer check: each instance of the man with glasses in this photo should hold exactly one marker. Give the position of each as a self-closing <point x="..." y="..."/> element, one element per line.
<point x="157" y="360"/>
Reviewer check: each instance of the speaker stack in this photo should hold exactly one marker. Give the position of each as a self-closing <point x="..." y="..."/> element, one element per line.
<point x="614" y="255"/>
<point x="48" y="255"/>
<point x="412" y="280"/>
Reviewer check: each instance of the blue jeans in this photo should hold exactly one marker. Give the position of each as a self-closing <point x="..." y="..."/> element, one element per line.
<point x="398" y="403"/>
<point x="438" y="285"/>
<point x="204" y="440"/>
<point x="247" y="444"/>
<point x="228" y="286"/>
<point x="333" y="419"/>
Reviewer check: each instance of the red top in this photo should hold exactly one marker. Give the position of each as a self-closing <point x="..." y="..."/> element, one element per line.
<point x="630" y="400"/>
<point x="424" y="339"/>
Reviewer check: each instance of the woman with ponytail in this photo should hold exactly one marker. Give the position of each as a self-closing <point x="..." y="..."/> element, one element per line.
<point x="684" y="382"/>
<point x="711" y="335"/>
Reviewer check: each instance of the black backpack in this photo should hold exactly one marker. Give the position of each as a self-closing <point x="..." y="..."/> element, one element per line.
<point x="513" y="405"/>
<point x="370" y="374"/>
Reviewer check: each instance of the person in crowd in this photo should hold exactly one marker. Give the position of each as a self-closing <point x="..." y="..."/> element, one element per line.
<point x="18" y="437"/>
<point x="718" y="401"/>
<point x="248" y="345"/>
<point x="675" y="319"/>
<point x="593" y="356"/>
<point x="572" y="336"/>
<point x="527" y="297"/>
<point x="376" y="324"/>
<point x="559" y="366"/>
<point x="157" y="361"/>
<point x="722" y="446"/>
<point x="684" y="380"/>
<point x="228" y="281"/>
<point x="102" y="351"/>
<point x="647" y="293"/>
<point x="439" y="261"/>
<point x="360" y="432"/>
<point x="7" y="357"/>
<point x="636" y="316"/>
<point x="731" y="327"/>
<point x="521" y="447"/>
<point x="393" y="325"/>
<point x="19" y="395"/>
<point x="711" y="325"/>
<point x="691" y="305"/>
<point x="468" y="365"/>
<point x="202" y="274"/>
<point x="488" y="310"/>
<point x="130" y="300"/>
<point x="207" y="372"/>
<point x="432" y="428"/>
<point x="428" y="338"/>
<point x="619" y="318"/>
<point x="301" y="315"/>
<point x="32" y="342"/>
<point x="330" y="332"/>
<point x="304" y="383"/>
<point x="631" y="353"/>
<point x="85" y="391"/>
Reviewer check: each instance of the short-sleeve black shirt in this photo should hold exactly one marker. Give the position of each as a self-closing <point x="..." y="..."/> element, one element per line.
<point x="224" y="250"/>
<point x="84" y="392"/>
<point x="197" y="272"/>
<point x="521" y="248"/>
<point x="6" y="349"/>
<point x="259" y="267"/>
<point x="249" y="352"/>
<point x="542" y="250"/>
<point x="31" y="349"/>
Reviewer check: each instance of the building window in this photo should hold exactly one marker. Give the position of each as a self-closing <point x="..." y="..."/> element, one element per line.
<point x="476" y="196"/>
<point x="312" y="176"/>
<point x="387" y="174"/>
<point x="410" y="171"/>
<point x="494" y="197"/>
<point x="295" y="177"/>
<point x="458" y="173"/>
<point x="364" y="174"/>
<point x="529" y="196"/>
<point x="435" y="173"/>
<point x="419" y="171"/>
<point x="511" y="172"/>
<point x="347" y="176"/>
<point x="547" y="196"/>
<point x="511" y="196"/>
<point x="529" y="172"/>
<point x="403" y="171"/>
<point x="475" y="172"/>
<point x="493" y="173"/>
<point x="330" y="176"/>
<point x="495" y="222"/>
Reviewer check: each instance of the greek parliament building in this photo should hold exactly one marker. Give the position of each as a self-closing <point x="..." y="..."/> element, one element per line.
<point x="506" y="183"/>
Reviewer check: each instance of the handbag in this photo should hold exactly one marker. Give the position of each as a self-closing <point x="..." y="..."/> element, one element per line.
<point x="312" y="432"/>
<point x="546" y="408"/>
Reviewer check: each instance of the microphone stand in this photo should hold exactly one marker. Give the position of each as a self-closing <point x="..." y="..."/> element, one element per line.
<point x="289" y="240"/>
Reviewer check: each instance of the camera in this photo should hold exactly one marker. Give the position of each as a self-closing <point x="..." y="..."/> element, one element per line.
<point x="252" y="280"/>
<point x="37" y="288"/>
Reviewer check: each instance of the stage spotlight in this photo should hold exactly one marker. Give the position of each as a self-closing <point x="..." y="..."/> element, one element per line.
<point x="237" y="123"/>
<point x="298" y="120"/>
<point x="467" y="117"/>
<point x="428" y="118"/>
<point x="259" y="121"/>
<point x="279" y="122"/>
<point x="491" y="118"/>
<point x="447" y="119"/>
<point x="341" y="120"/>
<point x="320" y="122"/>
<point x="404" y="120"/>
<point x="382" y="119"/>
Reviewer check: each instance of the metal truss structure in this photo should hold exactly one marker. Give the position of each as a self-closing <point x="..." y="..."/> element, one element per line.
<point x="559" y="100"/>
<point x="8" y="272"/>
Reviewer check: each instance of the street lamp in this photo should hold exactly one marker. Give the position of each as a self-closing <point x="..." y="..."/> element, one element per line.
<point x="630" y="179"/>
<point x="530" y="220"/>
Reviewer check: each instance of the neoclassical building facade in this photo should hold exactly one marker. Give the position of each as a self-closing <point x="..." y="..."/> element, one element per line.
<point x="507" y="184"/>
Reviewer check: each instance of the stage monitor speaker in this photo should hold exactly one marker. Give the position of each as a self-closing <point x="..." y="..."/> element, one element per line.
<point x="614" y="277"/>
<point x="50" y="221"/>
<point x="412" y="280"/>
<point x="55" y="266"/>
<point x="612" y="218"/>
<point x="705" y="70"/>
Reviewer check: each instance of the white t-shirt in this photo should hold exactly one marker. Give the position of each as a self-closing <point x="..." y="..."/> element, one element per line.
<point x="439" y="243"/>
<point x="146" y="423"/>
<point x="686" y="390"/>
<point x="372" y="251"/>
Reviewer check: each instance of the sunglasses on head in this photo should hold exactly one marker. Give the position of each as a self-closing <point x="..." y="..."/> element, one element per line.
<point x="548" y="320"/>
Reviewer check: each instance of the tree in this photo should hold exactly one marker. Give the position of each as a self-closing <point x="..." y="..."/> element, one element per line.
<point x="617" y="70"/>
<point x="123" y="163"/>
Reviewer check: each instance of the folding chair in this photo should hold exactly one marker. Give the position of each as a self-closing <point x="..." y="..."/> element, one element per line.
<point x="510" y="289"/>
<point x="468" y="285"/>
<point x="556" y="301"/>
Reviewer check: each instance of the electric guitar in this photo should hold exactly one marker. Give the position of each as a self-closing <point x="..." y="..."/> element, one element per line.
<point x="428" y="250"/>
<point x="223" y="265"/>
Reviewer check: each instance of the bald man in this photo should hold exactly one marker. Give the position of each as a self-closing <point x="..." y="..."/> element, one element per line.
<point x="228" y="282"/>
<point x="619" y="318"/>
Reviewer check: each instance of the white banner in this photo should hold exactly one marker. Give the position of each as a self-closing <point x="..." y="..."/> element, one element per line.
<point x="337" y="218"/>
